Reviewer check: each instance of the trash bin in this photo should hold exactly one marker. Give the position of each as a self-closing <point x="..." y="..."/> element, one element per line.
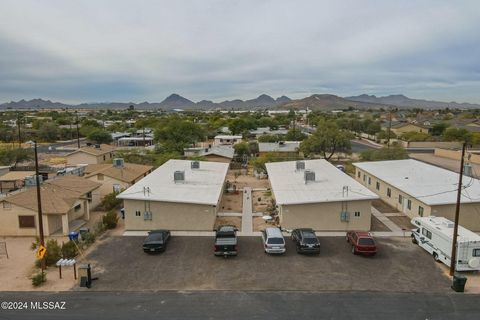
<point x="459" y="282"/>
<point x="85" y="275"/>
<point x="83" y="232"/>
<point x="73" y="236"/>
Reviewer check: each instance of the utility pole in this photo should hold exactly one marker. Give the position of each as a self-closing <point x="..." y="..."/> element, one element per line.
<point x="18" y="127"/>
<point x="78" y="131"/>
<point x="39" y="202"/>
<point x="144" y="137"/>
<point x="70" y="122"/>
<point x="453" y="259"/>
<point x="389" y="127"/>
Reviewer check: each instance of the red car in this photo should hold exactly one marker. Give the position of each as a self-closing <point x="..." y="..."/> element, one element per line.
<point x="362" y="242"/>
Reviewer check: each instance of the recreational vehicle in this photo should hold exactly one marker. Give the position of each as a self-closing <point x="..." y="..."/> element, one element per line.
<point x="435" y="235"/>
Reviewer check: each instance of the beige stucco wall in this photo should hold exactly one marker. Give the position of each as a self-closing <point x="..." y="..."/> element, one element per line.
<point x="9" y="225"/>
<point x="470" y="213"/>
<point x="87" y="158"/>
<point x="456" y="155"/>
<point x="325" y="216"/>
<point x="169" y="215"/>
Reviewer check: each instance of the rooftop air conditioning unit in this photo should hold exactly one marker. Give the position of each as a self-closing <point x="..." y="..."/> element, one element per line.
<point x="467" y="169"/>
<point x="195" y="165"/>
<point x="309" y="175"/>
<point x="300" y="165"/>
<point x="179" y="176"/>
<point x="281" y="143"/>
<point x="118" y="162"/>
<point x="97" y="146"/>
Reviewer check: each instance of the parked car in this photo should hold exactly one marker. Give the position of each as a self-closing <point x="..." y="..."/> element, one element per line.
<point x="306" y="240"/>
<point x="156" y="241"/>
<point x="226" y="241"/>
<point x="362" y="242"/>
<point x="273" y="241"/>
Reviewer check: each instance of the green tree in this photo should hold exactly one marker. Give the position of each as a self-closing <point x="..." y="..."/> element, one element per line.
<point x="240" y="125"/>
<point x="178" y="134"/>
<point x="455" y="134"/>
<point x="12" y="156"/>
<point x="100" y="136"/>
<point x="416" y="136"/>
<point x="242" y="148"/>
<point x="395" y="152"/>
<point x="48" y="132"/>
<point x="327" y="140"/>
<point x="270" y="138"/>
<point x="439" y="128"/>
<point x="295" y="135"/>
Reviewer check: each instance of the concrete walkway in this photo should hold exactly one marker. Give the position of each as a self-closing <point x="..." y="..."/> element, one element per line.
<point x="383" y="219"/>
<point x="247" y="219"/>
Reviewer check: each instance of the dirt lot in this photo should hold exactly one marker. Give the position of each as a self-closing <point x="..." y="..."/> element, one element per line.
<point x="383" y="207"/>
<point x="246" y="180"/>
<point x="377" y="225"/>
<point x="231" y="202"/>
<point x="265" y="199"/>
<point x="188" y="264"/>
<point x="259" y="224"/>
<point x="402" y="221"/>
<point x="234" y="221"/>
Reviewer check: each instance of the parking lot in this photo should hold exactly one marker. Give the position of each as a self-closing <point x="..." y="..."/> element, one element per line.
<point x="189" y="264"/>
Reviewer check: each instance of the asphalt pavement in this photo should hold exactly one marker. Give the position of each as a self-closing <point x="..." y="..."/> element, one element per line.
<point x="243" y="305"/>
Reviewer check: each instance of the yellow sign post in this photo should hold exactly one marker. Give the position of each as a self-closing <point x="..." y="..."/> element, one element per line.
<point x="41" y="252"/>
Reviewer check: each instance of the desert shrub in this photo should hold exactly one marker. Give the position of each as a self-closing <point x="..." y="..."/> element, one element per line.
<point x="110" y="220"/>
<point x="69" y="250"/>
<point x="39" y="278"/>
<point x="110" y="202"/>
<point x="53" y="254"/>
<point x="89" y="238"/>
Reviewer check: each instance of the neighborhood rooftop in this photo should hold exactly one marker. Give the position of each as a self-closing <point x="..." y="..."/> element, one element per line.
<point x="430" y="184"/>
<point x="201" y="186"/>
<point x="288" y="184"/>
<point x="282" y="146"/>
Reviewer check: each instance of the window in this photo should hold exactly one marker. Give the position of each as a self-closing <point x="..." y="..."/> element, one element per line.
<point x="138" y="213"/>
<point x="89" y="196"/>
<point x="77" y="207"/>
<point x="26" y="221"/>
<point x="7" y="205"/>
<point x="357" y="213"/>
<point x="400" y="199"/>
<point x="378" y="185"/>
<point x="409" y="204"/>
<point x="389" y="192"/>
<point x="359" y="174"/>
<point x="427" y="233"/>
<point x="369" y="180"/>
<point x="104" y="158"/>
<point x="364" y="177"/>
<point x="476" y="253"/>
<point x="420" y="211"/>
<point x="100" y="176"/>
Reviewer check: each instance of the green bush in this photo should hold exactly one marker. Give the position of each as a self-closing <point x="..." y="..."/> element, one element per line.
<point x="69" y="250"/>
<point x="39" y="278"/>
<point x="110" y="220"/>
<point x="53" y="254"/>
<point x="110" y="202"/>
<point x="89" y="238"/>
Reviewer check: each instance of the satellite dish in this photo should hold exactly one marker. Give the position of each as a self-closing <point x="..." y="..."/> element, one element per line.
<point x="267" y="218"/>
<point x="474" y="263"/>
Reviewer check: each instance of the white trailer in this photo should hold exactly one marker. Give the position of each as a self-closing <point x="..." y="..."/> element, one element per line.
<point x="435" y="235"/>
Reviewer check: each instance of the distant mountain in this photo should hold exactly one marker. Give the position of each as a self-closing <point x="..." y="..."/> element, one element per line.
<point x="399" y="100"/>
<point x="176" y="101"/>
<point x="282" y="100"/>
<point x="32" y="104"/>
<point x="263" y="100"/>
<point x="327" y="102"/>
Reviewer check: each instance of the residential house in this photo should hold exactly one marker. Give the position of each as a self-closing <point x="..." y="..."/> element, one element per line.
<point x="94" y="154"/>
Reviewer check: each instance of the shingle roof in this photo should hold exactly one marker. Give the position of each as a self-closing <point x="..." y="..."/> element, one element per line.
<point x="58" y="195"/>
<point x="129" y="173"/>
<point x="16" y="175"/>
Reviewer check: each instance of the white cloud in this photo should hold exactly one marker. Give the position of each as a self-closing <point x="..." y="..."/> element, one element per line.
<point x="228" y="49"/>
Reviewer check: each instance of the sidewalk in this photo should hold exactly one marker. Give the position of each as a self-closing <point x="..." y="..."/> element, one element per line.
<point x="247" y="219"/>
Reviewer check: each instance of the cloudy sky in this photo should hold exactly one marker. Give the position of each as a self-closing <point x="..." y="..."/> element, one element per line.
<point x="118" y="50"/>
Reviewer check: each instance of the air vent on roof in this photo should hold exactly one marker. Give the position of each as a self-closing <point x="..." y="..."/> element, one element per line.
<point x="281" y="143"/>
<point x="300" y="165"/>
<point x="118" y="163"/>
<point x="195" y="165"/>
<point x="309" y="175"/>
<point x="97" y="146"/>
<point x="179" y="176"/>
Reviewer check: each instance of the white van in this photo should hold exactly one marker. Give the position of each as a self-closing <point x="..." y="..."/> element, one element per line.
<point x="435" y="235"/>
<point x="273" y="241"/>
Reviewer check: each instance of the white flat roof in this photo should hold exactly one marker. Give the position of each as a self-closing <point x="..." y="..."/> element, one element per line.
<point x="429" y="184"/>
<point x="284" y="146"/>
<point x="201" y="186"/>
<point x="289" y="186"/>
<point x="224" y="136"/>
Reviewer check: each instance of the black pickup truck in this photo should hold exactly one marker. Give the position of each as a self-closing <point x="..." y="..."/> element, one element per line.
<point x="226" y="241"/>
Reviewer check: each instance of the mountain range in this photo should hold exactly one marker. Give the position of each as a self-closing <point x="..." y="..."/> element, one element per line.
<point x="314" y="102"/>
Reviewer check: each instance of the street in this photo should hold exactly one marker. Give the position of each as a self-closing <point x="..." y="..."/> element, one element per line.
<point x="247" y="305"/>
